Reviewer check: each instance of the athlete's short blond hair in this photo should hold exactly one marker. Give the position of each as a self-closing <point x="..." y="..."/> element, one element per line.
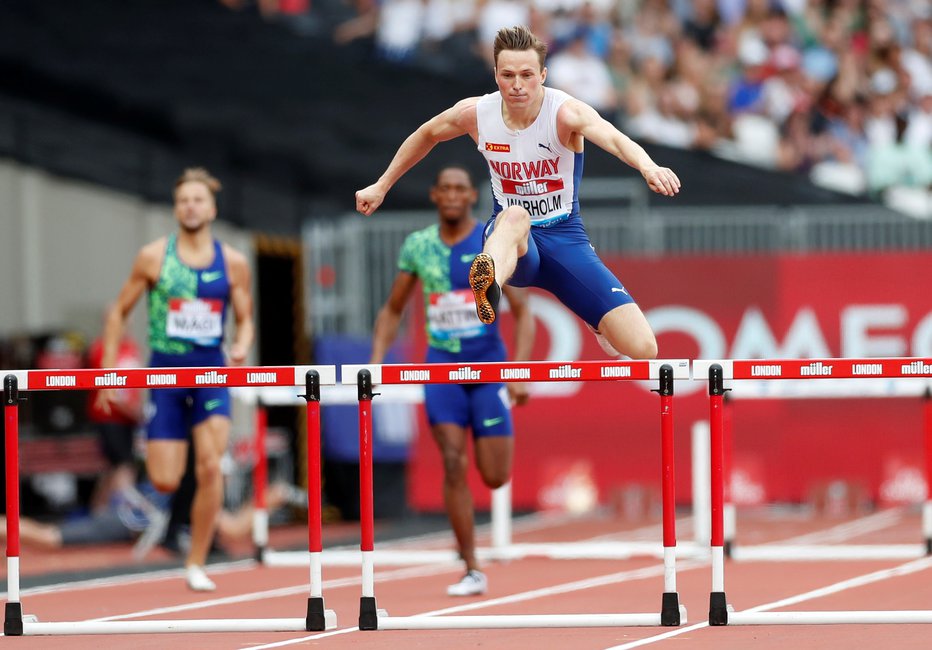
<point x="519" y="38"/>
<point x="199" y="175"/>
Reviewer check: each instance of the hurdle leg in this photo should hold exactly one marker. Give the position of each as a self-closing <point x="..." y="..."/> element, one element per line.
<point x="13" y="614"/>
<point x="927" y="505"/>
<point x="718" y="604"/>
<point x="260" y="521"/>
<point x="501" y="519"/>
<point x="728" y="505"/>
<point x="318" y="618"/>
<point x="670" y="604"/>
<point x="368" y="613"/>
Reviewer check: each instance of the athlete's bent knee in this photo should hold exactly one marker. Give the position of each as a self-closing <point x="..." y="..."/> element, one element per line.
<point x="516" y="220"/>
<point x="496" y="481"/>
<point x="645" y="348"/>
<point x="495" y="477"/>
<point x="164" y="484"/>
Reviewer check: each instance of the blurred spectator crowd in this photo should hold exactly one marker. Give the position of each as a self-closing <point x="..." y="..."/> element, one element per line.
<point x="839" y="90"/>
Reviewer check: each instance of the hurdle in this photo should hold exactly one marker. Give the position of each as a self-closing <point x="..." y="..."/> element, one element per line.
<point x="330" y="396"/>
<point x="311" y="377"/>
<point x="721" y="373"/>
<point x="502" y="548"/>
<point x="841" y="388"/>
<point x="367" y="377"/>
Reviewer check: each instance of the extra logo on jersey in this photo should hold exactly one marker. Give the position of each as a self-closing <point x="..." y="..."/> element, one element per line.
<point x="501" y="148"/>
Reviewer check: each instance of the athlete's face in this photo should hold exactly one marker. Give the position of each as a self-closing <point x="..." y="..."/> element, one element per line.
<point x="453" y="195"/>
<point x="195" y="207"/>
<point x="520" y="77"/>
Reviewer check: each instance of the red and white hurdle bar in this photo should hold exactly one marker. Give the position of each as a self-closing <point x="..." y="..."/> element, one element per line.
<point x="502" y="547"/>
<point x="311" y="377"/>
<point x="912" y="387"/>
<point x="367" y="377"/>
<point x="721" y="373"/>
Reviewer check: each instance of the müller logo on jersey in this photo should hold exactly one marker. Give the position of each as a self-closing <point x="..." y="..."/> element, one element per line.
<point x="533" y="188"/>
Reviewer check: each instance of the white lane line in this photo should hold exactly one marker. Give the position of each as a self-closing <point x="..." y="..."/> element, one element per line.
<point x="399" y="574"/>
<point x="660" y="637"/>
<point x="322" y="635"/>
<point x="130" y="578"/>
<point x="578" y="585"/>
<point x="859" y="581"/>
<point x="902" y="570"/>
<point x="848" y="530"/>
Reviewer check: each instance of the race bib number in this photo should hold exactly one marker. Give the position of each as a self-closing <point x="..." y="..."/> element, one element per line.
<point x="195" y="319"/>
<point x="452" y="315"/>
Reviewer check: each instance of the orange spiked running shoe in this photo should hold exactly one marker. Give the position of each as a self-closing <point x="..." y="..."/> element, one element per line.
<point x="484" y="287"/>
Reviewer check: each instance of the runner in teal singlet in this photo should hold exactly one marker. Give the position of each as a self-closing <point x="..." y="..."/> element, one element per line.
<point x="440" y="256"/>
<point x="191" y="278"/>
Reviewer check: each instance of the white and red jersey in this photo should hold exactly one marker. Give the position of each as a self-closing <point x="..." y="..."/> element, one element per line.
<point x="530" y="167"/>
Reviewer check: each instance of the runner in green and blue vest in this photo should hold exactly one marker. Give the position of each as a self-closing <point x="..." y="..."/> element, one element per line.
<point x="440" y="256"/>
<point x="191" y="278"/>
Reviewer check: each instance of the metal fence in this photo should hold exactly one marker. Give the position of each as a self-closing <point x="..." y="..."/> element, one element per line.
<point x="353" y="259"/>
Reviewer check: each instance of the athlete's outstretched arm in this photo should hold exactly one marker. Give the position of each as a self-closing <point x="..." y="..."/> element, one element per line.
<point x="145" y="270"/>
<point x="578" y="117"/>
<point x="458" y="120"/>
<point x="241" y="301"/>
<point x="524" y="336"/>
<point x="386" y="323"/>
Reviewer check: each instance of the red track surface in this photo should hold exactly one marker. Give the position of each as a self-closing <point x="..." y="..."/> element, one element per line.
<point x="530" y="586"/>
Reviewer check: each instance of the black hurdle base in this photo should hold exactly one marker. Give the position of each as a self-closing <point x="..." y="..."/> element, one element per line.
<point x="670" y="609"/>
<point x="368" y="615"/>
<point x="13" y="621"/>
<point x="316" y="621"/>
<point x="718" y="608"/>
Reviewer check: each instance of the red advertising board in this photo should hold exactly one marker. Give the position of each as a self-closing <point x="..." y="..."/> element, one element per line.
<point x="606" y="436"/>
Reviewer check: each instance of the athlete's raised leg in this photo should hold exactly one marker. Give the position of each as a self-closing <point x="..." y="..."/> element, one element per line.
<point x="507" y="242"/>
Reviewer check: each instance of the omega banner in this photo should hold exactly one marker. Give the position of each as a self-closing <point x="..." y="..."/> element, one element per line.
<point x="582" y="444"/>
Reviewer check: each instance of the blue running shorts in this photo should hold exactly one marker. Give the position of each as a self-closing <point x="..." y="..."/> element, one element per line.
<point x="561" y="260"/>
<point x="484" y="408"/>
<point x="174" y="411"/>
